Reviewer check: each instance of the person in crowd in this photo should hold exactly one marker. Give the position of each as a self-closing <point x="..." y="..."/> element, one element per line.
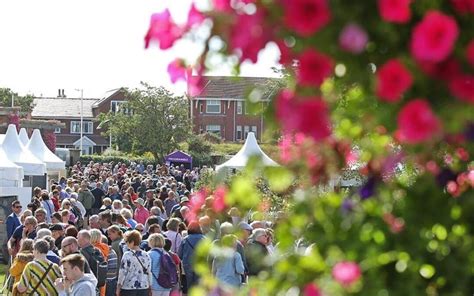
<point x="24" y="255"/>
<point x="99" y="195"/>
<point x="56" y="218"/>
<point x="135" y="267"/>
<point x="229" y="268"/>
<point x="86" y="198"/>
<point x="27" y="230"/>
<point x="13" y="220"/>
<point x="92" y="255"/>
<point x="112" y="270"/>
<point x="115" y="235"/>
<point x="55" y="199"/>
<point x="186" y="253"/>
<point x="40" y="274"/>
<point x="141" y="213"/>
<point x="106" y="205"/>
<point x="169" y="203"/>
<point x="127" y="214"/>
<point x="52" y="254"/>
<point x="96" y="242"/>
<point x="26" y="213"/>
<point x="173" y="234"/>
<point x="117" y="206"/>
<point x="57" y="232"/>
<point x="71" y="230"/>
<point x="154" y="228"/>
<point x="256" y="251"/>
<point x="75" y="281"/>
<point x="94" y="222"/>
<point x="156" y="212"/>
<point x="156" y="242"/>
<point x="42" y="231"/>
<point x="40" y="215"/>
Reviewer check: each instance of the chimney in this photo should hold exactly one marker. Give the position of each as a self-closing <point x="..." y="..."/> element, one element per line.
<point x="62" y="93"/>
<point x="59" y="92"/>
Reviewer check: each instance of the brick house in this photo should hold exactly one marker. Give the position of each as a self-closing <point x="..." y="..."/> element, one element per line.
<point x="220" y="107"/>
<point x="68" y="111"/>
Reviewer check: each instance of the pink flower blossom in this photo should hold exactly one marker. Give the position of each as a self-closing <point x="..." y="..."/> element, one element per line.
<point x="219" y="203"/>
<point x="314" y="68"/>
<point x="445" y="70"/>
<point x="417" y="122"/>
<point x="222" y="5"/>
<point x="195" y="17"/>
<point x="195" y="83"/>
<point x="286" y="55"/>
<point x="249" y="35"/>
<point x="163" y="29"/>
<point x="177" y="70"/>
<point x="434" y="37"/>
<point x="395" y="11"/>
<point x="463" y="6"/>
<point x="462" y="87"/>
<point x="393" y="79"/>
<point x="311" y="289"/>
<point x="353" y="38"/>
<point x="306" y="17"/>
<point x="346" y="272"/>
<point x="306" y="115"/>
<point x="470" y="53"/>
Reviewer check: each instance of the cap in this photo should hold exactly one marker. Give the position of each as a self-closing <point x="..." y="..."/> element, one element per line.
<point x="140" y="201"/>
<point x="150" y="190"/>
<point x="56" y="227"/>
<point x="245" y="226"/>
<point x="184" y="199"/>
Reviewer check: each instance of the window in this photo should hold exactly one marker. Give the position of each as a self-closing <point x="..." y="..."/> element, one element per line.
<point x="213" y="106"/>
<point x="239" y="132"/>
<point x="57" y="130"/>
<point x="246" y="109"/>
<point x="214" y="129"/>
<point x="115" y="107"/>
<point x="246" y="131"/>
<point x="87" y="127"/>
<point x="254" y="129"/>
<point x="239" y="108"/>
<point x="201" y="108"/>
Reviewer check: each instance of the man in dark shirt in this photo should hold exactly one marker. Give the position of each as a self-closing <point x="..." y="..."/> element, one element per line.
<point x="256" y="251"/>
<point x="69" y="246"/>
<point x="99" y="195"/>
<point x="12" y="220"/>
<point x="27" y="230"/>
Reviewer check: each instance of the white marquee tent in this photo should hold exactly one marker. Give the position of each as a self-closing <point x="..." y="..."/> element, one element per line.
<point x="250" y="149"/>
<point x="20" y="155"/>
<point x="23" y="136"/>
<point x="11" y="175"/>
<point x="39" y="149"/>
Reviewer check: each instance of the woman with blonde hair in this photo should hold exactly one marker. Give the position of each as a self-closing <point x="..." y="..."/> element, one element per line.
<point x="24" y="256"/>
<point x="25" y="214"/>
<point x="96" y="241"/>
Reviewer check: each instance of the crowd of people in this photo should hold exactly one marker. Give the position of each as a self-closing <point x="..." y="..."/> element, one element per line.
<point x="113" y="229"/>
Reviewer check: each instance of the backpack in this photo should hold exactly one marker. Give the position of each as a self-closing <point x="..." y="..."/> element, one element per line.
<point x="80" y="220"/>
<point x="168" y="276"/>
<point x="101" y="264"/>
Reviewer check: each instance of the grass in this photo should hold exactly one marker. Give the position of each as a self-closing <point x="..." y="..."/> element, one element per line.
<point x="3" y="272"/>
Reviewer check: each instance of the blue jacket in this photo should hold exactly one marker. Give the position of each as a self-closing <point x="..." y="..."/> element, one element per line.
<point x="12" y="223"/>
<point x="187" y="248"/>
<point x="155" y="269"/>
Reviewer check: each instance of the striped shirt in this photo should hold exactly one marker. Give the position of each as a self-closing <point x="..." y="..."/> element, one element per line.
<point x="112" y="265"/>
<point x="33" y="273"/>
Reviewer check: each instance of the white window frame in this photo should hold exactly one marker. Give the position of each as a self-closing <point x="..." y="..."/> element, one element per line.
<point x="213" y="128"/>
<point x="239" y="130"/>
<point x="239" y="107"/>
<point x="57" y="130"/>
<point x="213" y="103"/>
<point x="118" y="108"/>
<point x="87" y="127"/>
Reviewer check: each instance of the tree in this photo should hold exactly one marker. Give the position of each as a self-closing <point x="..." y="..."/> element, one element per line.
<point x="152" y="120"/>
<point x="24" y="102"/>
<point x="200" y="149"/>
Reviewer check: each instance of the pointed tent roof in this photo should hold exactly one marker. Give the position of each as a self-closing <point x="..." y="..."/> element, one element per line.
<point x="9" y="172"/>
<point x="23" y="136"/>
<point x="250" y="148"/>
<point x="21" y="156"/>
<point x="39" y="149"/>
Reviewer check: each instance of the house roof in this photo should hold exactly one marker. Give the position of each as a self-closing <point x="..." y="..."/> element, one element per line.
<point x="230" y="87"/>
<point x="107" y="95"/>
<point x="62" y="107"/>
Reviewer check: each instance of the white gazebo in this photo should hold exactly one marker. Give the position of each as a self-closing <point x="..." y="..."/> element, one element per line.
<point x="23" y="136"/>
<point x="39" y="149"/>
<point x="11" y="175"/>
<point x="250" y="149"/>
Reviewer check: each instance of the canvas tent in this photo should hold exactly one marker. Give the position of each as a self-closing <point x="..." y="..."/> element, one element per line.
<point x="39" y="149"/>
<point x="11" y="175"/>
<point x="250" y="148"/>
<point x="179" y="157"/>
<point x="20" y="155"/>
<point x="23" y="136"/>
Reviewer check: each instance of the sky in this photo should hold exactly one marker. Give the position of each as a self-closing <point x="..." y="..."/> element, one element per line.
<point x="94" y="45"/>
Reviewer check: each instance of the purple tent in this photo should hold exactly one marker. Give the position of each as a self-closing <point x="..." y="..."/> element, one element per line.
<point x="179" y="157"/>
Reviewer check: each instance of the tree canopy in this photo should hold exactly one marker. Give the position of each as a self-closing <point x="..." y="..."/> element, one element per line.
<point x="24" y="102"/>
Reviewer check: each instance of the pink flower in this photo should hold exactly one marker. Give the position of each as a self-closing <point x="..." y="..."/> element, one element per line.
<point x="462" y="87"/>
<point x="195" y="17"/>
<point x="163" y="29"/>
<point x="393" y="79"/>
<point x="311" y="290"/>
<point x="395" y="11"/>
<point x="445" y="70"/>
<point x="195" y="83"/>
<point x="417" y="122"/>
<point x="346" y="272"/>
<point x="353" y="38"/>
<point x="306" y="115"/>
<point x="219" y="203"/>
<point x="286" y="56"/>
<point x="222" y="5"/>
<point x="177" y="70"/>
<point x="433" y="38"/>
<point x="306" y="17"/>
<point x="249" y="36"/>
<point x="470" y="53"/>
<point x="314" y="68"/>
<point x="463" y="6"/>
